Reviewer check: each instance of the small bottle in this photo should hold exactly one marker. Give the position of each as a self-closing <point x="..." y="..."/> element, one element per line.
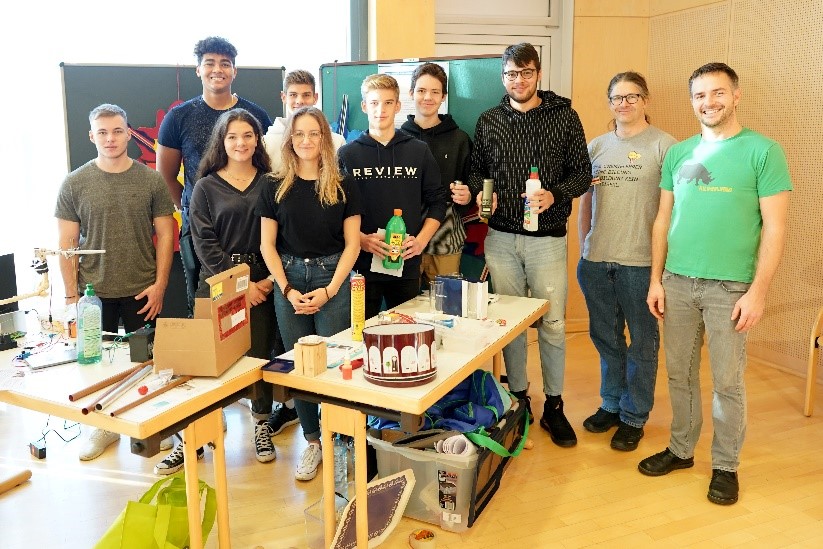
<point x="529" y="212"/>
<point x="341" y="466"/>
<point x="395" y="234"/>
<point x="89" y="328"/>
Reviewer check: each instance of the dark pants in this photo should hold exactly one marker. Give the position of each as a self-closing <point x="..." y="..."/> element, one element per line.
<point x="191" y="264"/>
<point x="265" y="338"/>
<point x="394" y="292"/>
<point x="125" y="309"/>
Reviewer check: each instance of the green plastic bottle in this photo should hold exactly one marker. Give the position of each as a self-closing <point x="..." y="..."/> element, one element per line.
<point x="395" y="234"/>
<point x="89" y="328"/>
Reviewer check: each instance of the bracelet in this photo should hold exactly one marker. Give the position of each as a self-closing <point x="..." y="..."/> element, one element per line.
<point x="325" y="289"/>
<point x="70" y="296"/>
<point x="286" y="290"/>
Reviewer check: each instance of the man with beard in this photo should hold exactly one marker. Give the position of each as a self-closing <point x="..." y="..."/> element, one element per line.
<point x="531" y="128"/>
<point x="716" y="244"/>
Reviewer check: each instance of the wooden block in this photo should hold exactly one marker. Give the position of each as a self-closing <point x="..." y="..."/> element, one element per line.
<point x="310" y="360"/>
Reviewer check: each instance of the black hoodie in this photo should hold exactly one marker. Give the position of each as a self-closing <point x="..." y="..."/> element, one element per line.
<point x="451" y="148"/>
<point x="402" y="174"/>
<point x="508" y="142"/>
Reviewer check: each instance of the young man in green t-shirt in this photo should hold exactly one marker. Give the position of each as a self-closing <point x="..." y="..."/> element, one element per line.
<point x="719" y="233"/>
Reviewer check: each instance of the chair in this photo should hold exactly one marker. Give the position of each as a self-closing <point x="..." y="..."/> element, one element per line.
<point x="815" y="341"/>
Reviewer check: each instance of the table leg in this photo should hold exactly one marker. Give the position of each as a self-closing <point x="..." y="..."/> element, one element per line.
<point x="497" y="364"/>
<point x="338" y="419"/>
<point x="208" y="428"/>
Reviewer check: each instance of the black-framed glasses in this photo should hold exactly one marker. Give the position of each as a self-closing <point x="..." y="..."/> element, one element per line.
<point x="525" y="74"/>
<point x="631" y="99"/>
<point x="313" y="135"/>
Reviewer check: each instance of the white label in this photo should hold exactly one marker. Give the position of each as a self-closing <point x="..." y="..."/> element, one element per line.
<point x="238" y="317"/>
<point x="242" y="283"/>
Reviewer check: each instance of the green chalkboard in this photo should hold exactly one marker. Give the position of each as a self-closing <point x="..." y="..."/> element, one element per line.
<point x="146" y="92"/>
<point x="474" y="87"/>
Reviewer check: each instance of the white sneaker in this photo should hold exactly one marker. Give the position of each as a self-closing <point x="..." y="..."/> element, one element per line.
<point x="263" y="448"/>
<point x="166" y="444"/>
<point x="311" y="458"/>
<point x="97" y="442"/>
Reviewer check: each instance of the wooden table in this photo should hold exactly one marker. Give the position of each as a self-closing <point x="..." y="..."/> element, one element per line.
<point x="195" y="408"/>
<point x="347" y="402"/>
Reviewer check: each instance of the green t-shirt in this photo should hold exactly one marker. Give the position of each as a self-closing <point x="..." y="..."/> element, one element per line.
<point x="716" y="221"/>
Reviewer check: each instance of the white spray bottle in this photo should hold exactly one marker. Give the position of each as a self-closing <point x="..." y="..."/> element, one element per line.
<point x="529" y="211"/>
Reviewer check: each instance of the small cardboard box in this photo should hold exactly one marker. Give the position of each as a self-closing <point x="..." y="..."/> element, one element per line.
<point x="216" y="337"/>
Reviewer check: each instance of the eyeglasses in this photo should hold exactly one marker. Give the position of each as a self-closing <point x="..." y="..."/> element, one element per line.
<point x="301" y="136"/>
<point x="631" y="99"/>
<point x="526" y="74"/>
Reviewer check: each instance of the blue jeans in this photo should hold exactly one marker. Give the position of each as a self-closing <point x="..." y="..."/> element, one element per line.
<point x="695" y="306"/>
<point x="616" y="297"/>
<point x="533" y="266"/>
<point x="306" y="275"/>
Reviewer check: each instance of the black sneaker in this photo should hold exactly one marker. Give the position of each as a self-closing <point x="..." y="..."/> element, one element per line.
<point x="723" y="488"/>
<point x="174" y="461"/>
<point x="263" y="448"/>
<point x="280" y="418"/>
<point x="555" y="422"/>
<point x="626" y="437"/>
<point x="663" y="463"/>
<point x="601" y="421"/>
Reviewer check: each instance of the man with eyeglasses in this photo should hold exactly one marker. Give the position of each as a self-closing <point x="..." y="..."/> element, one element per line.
<point x="298" y="91"/>
<point x="716" y="244"/>
<point x="532" y="128"/>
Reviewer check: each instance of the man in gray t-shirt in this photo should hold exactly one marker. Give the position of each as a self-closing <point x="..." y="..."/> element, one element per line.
<point x="115" y="204"/>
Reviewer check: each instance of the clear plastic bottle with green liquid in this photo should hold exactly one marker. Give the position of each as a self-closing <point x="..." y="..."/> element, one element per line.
<point x="395" y="235"/>
<point x="89" y="328"/>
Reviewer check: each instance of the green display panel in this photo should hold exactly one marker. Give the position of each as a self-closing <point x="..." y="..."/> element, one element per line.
<point x="475" y="86"/>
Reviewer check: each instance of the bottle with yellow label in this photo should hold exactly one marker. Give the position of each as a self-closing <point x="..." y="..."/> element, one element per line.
<point x="395" y="234"/>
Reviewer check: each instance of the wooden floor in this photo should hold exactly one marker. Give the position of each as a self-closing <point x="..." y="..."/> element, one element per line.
<point x="585" y="496"/>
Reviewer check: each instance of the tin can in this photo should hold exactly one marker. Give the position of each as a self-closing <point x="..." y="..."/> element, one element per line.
<point x="358" y="306"/>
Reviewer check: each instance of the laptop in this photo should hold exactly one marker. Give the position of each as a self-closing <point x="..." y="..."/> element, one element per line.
<point x="38" y="361"/>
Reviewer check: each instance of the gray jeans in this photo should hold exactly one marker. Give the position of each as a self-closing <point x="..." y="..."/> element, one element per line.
<point x="695" y="306"/>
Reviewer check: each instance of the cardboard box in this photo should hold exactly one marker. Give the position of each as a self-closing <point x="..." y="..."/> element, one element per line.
<point x="217" y="336"/>
<point x="464" y="297"/>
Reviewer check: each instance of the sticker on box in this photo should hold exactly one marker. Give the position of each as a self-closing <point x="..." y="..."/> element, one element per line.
<point x="231" y="316"/>
<point x="217" y="291"/>
<point x="447" y="482"/>
<point x="242" y="284"/>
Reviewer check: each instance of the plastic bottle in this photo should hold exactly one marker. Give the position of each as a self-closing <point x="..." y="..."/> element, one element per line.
<point x="529" y="212"/>
<point x="395" y="234"/>
<point x="89" y="328"/>
<point x="341" y="466"/>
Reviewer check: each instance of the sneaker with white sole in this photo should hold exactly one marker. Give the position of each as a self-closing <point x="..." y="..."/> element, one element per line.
<point x="263" y="448"/>
<point x="311" y="458"/>
<point x="281" y="417"/>
<point x="97" y="442"/>
<point x="174" y="461"/>
<point x="166" y="444"/>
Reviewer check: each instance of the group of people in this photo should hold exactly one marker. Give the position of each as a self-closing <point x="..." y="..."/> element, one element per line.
<point x="688" y="233"/>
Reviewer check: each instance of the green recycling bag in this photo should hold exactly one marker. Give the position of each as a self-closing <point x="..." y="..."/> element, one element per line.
<point x="159" y="520"/>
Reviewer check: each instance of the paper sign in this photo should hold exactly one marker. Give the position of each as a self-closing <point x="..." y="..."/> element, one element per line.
<point x="216" y="291"/>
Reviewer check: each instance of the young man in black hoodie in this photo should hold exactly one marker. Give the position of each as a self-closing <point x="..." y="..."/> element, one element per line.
<point x="532" y="128"/>
<point x="451" y="148"/>
<point x="393" y="170"/>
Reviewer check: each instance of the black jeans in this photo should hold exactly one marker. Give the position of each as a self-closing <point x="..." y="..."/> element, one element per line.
<point x="394" y="292"/>
<point x="125" y="308"/>
<point x="191" y="264"/>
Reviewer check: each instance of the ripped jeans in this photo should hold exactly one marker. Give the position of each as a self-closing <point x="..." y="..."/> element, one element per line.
<point x="533" y="266"/>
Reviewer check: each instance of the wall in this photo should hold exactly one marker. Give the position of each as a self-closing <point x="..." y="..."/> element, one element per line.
<point x="399" y="29"/>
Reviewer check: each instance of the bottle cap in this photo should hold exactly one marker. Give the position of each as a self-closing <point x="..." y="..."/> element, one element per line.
<point x="89" y="289"/>
<point x="533" y="173"/>
<point x="398" y="212"/>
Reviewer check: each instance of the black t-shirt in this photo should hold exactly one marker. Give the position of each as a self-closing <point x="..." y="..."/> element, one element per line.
<point x="305" y="228"/>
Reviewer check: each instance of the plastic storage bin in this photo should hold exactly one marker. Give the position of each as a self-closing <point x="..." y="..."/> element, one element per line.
<point x="451" y="491"/>
<point x="443" y="483"/>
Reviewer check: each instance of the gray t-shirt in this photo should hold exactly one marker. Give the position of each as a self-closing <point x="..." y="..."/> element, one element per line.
<point x="626" y="193"/>
<point x="116" y="213"/>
